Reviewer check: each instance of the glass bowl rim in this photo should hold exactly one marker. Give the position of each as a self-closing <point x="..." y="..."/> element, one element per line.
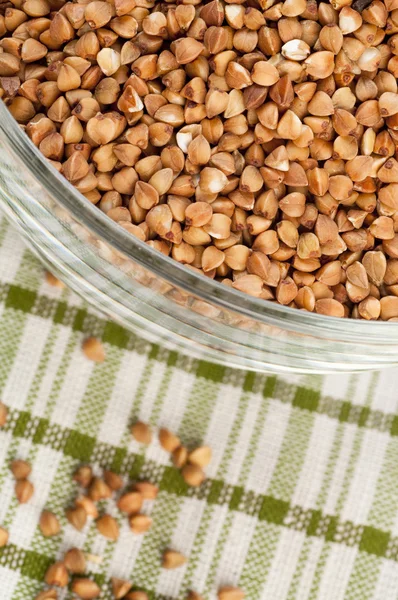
<point x="167" y="268"/>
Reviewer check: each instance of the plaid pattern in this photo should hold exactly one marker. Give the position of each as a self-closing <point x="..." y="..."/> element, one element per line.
<point x="301" y="499"/>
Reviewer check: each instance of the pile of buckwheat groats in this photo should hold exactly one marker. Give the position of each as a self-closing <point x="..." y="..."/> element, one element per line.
<point x="253" y="141"/>
<point x="131" y="502"/>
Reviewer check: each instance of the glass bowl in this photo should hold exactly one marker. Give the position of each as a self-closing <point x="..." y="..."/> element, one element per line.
<point x="160" y="299"/>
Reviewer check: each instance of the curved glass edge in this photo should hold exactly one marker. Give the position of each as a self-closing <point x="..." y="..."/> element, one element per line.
<point x="154" y="333"/>
<point x="165" y="267"/>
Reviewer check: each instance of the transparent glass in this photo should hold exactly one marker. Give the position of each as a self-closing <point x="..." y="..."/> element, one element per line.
<point x="162" y="300"/>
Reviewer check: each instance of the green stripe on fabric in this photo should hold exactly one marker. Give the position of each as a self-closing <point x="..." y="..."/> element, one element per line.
<point x="164" y="385"/>
<point x="204" y="392"/>
<point x="146" y="374"/>
<point x="350" y="469"/>
<point x="329" y="471"/>
<point x="24" y="419"/>
<point x="357" y="445"/>
<point x="216" y="489"/>
<point x="259" y="558"/>
<point x="306" y="399"/>
<point x="345" y="412"/>
<point x="302" y="397"/>
<point x="291" y="455"/>
<point x="79" y="445"/>
<point x="79" y="318"/>
<point x="35" y="565"/>
<point x="210" y="371"/>
<point x="235" y="431"/>
<point x="30" y="273"/>
<point x="147" y="567"/>
<point x="60" y="312"/>
<point x="19" y="299"/>
<point x="11" y="320"/>
<point x="273" y="510"/>
<point x="329" y="526"/>
<point x="5" y="469"/>
<point x="172" y="482"/>
<point x="115" y="335"/>
<point x="374" y="541"/>
<point x="298" y="572"/>
<point x="359" y="586"/>
<point x="247" y="384"/>
<point x="98" y="393"/>
<point x="61" y="373"/>
<point x="269" y="387"/>
<point x="249" y="381"/>
<point x="385" y="501"/>
<point x="42" y="367"/>
<point x="236" y="498"/>
<point x="255" y="439"/>
<point x="195" y="556"/>
<point x="220" y="546"/>
<point x="319" y="570"/>
<point x="394" y="426"/>
<point x="60" y="496"/>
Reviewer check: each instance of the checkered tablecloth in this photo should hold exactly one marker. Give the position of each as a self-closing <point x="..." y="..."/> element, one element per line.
<point x="301" y="500"/>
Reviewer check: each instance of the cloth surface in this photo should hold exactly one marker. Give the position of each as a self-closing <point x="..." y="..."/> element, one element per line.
<point x="301" y="500"/>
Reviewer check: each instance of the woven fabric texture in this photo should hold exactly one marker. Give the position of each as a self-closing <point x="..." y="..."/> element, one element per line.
<point x="301" y="499"/>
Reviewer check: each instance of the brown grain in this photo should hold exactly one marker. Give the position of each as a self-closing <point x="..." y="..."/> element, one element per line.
<point x="254" y="144"/>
